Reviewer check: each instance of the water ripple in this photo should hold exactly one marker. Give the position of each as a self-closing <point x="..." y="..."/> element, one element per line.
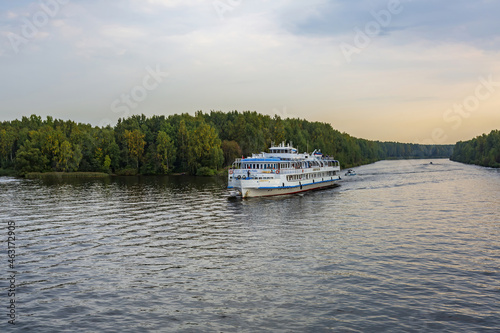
<point x="411" y="251"/>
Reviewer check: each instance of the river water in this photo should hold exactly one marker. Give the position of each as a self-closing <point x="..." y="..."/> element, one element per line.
<point x="404" y="246"/>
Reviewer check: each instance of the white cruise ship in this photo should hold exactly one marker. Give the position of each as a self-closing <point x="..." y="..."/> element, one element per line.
<point x="281" y="171"/>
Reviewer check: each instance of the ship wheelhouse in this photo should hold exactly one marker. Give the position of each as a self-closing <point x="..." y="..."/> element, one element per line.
<point x="260" y="163"/>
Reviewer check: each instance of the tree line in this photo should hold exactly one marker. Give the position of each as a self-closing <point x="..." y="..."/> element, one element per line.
<point x="483" y="150"/>
<point x="202" y="144"/>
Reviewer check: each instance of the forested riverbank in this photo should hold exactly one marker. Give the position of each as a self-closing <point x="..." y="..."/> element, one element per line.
<point x="202" y="144"/>
<point x="483" y="150"/>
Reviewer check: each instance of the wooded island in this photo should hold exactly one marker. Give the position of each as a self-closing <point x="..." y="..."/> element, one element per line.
<point x="202" y="144"/>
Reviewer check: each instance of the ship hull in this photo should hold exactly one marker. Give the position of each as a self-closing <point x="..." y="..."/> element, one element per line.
<point x="267" y="191"/>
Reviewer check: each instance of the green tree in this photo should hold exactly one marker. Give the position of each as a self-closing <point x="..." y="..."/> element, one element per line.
<point x="30" y="159"/>
<point x="231" y="150"/>
<point x="68" y="157"/>
<point x="49" y="140"/>
<point x="205" y="149"/>
<point x="278" y="131"/>
<point x="7" y="140"/>
<point x="135" y="143"/>
<point x="63" y="156"/>
<point x="165" y="150"/>
<point x="183" y="144"/>
<point x="107" y="164"/>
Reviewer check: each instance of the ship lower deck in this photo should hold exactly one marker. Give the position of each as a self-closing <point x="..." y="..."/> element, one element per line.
<point x="250" y="190"/>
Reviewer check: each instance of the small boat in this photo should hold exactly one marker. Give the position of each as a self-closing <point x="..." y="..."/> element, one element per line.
<point x="350" y="172"/>
<point x="234" y="195"/>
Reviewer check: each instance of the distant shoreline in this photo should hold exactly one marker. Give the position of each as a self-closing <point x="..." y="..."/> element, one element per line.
<point x="79" y="174"/>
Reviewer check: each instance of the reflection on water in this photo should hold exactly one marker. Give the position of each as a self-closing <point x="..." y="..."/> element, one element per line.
<point x="403" y="246"/>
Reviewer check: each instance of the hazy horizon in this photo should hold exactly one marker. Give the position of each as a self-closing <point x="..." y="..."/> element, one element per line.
<point x="405" y="71"/>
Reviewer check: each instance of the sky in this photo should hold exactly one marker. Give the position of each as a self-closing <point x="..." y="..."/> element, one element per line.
<point x="417" y="71"/>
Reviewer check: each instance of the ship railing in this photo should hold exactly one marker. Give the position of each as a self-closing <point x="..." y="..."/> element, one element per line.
<point x="264" y="172"/>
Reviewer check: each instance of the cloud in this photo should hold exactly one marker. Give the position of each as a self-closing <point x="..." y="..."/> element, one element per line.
<point x="459" y="21"/>
<point x="259" y="55"/>
<point x="171" y="3"/>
